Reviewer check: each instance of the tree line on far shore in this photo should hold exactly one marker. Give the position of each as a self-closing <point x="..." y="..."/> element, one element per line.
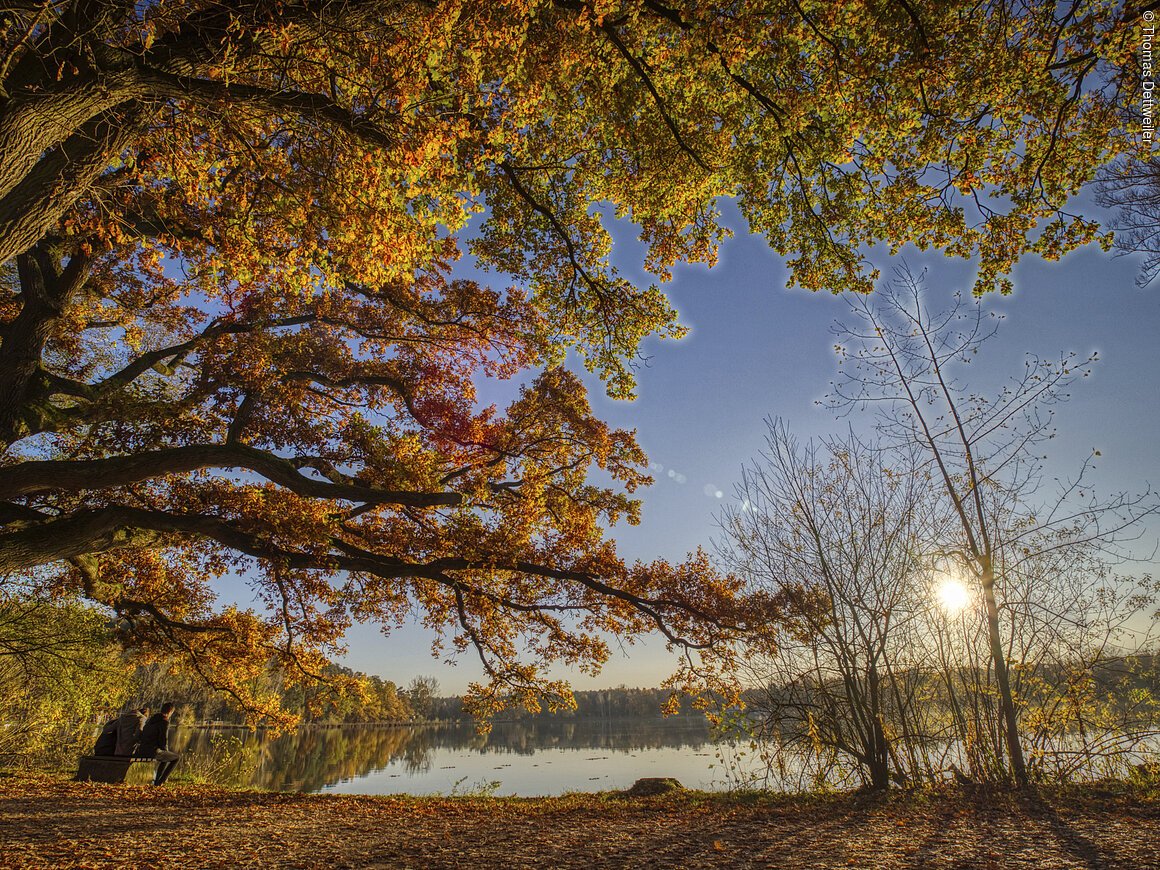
<point x="64" y="670"/>
<point x="621" y="702"/>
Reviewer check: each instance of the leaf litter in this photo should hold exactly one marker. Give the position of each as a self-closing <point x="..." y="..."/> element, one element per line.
<point x="46" y="821"/>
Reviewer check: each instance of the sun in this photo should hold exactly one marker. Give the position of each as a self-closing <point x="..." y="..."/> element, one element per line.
<point x="952" y="595"/>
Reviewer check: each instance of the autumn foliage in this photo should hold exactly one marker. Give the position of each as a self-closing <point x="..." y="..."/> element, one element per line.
<point x="234" y="344"/>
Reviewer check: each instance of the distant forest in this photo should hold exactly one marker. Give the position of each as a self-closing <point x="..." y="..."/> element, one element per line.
<point x="379" y="700"/>
<point x="384" y="702"/>
<point x="601" y="703"/>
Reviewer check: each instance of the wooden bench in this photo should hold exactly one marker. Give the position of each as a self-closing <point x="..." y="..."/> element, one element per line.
<point x="105" y="768"/>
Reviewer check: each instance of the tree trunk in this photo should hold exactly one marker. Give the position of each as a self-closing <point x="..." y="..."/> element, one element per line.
<point x="879" y="749"/>
<point x="23" y="343"/>
<point x="1006" y="702"/>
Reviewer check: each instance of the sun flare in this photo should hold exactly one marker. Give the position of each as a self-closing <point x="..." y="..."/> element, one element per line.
<point x="953" y="595"/>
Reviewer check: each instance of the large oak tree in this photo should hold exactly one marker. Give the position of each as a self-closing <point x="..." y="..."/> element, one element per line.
<point x="231" y="342"/>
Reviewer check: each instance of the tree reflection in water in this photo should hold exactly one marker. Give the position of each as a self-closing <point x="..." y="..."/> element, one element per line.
<point x="315" y="757"/>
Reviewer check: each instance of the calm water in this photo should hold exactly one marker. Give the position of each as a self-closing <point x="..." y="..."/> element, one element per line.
<point x="537" y="758"/>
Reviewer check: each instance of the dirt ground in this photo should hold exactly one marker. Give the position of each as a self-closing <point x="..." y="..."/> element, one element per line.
<point x="49" y="822"/>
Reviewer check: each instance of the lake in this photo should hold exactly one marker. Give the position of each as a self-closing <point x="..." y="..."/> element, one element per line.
<point x="529" y="758"/>
<point x="516" y="758"/>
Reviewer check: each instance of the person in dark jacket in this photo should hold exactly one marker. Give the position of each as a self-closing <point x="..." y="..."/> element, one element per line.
<point x="155" y="743"/>
<point x="107" y="741"/>
<point x="129" y="730"/>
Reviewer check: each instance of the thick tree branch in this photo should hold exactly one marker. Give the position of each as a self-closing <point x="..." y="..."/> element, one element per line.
<point x="28" y="478"/>
<point x="34" y="204"/>
<point x="316" y="107"/>
<point x="90" y="531"/>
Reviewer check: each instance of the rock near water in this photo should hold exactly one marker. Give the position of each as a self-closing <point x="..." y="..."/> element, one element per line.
<point x="653" y="785"/>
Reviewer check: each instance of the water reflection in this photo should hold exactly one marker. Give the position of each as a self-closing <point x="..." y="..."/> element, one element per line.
<point x="539" y="757"/>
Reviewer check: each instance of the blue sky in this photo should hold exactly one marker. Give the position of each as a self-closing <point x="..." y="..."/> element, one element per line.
<point x="758" y="350"/>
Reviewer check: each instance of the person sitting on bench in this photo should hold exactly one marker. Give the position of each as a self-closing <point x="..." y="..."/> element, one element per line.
<point x="155" y="743"/>
<point x="129" y="730"/>
<point x="107" y="741"/>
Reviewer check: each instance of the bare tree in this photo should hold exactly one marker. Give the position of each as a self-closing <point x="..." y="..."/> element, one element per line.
<point x="906" y="359"/>
<point x="1132" y="189"/>
<point x="834" y="530"/>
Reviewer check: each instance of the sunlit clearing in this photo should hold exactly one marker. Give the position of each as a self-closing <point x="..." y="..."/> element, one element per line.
<point x="952" y="595"/>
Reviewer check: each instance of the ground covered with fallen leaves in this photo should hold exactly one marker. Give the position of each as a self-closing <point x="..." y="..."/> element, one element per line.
<point x="50" y="822"/>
